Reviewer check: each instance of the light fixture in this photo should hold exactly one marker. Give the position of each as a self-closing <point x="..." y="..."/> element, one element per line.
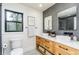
<point x="40" y="5"/>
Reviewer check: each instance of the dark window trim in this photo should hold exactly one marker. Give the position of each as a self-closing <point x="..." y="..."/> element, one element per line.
<point x="13" y="21"/>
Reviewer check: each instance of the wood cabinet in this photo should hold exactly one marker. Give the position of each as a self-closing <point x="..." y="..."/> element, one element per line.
<point x="47" y="45"/>
<point x="65" y="50"/>
<point x="39" y="40"/>
<point x="50" y="47"/>
<point x="61" y="50"/>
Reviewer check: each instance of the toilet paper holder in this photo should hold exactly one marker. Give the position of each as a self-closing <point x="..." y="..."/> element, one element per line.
<point x="4" y="45"/>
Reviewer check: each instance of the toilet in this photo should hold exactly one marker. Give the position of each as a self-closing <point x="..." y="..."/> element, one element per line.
<point x="16" y="47"/>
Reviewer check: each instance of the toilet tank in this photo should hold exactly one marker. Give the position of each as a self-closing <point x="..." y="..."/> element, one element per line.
<point x="16" y="43"/>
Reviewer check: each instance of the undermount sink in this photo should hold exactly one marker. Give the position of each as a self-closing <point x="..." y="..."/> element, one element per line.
<point x="66" y="38"/>
<point x="62" y="37"/>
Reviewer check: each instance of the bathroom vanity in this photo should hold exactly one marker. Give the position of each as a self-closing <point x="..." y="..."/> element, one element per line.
<point x="59" y="45"/>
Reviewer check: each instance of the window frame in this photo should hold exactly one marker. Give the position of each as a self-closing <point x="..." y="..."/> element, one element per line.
<point x="6" y="10"/>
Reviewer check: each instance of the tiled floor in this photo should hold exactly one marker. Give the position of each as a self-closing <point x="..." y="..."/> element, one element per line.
<point x="32" y="52"/>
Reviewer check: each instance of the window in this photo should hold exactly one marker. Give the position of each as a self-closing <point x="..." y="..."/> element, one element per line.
<point x="13" y="21"/>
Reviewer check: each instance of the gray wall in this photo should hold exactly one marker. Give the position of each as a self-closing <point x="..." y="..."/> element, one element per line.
<point x="57" y="8"/>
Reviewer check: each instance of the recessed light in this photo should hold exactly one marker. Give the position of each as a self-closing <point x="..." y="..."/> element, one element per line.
<point x="40" y="5"/>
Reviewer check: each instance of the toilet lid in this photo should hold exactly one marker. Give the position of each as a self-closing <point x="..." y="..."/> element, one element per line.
<point x="17" y="51"/>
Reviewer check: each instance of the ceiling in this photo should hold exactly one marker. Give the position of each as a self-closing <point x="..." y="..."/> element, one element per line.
<point x="37" y="5"/>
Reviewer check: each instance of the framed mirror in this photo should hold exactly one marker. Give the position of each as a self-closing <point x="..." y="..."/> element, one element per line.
<point x="48" y="23"/>
<point x="68" y="19"/>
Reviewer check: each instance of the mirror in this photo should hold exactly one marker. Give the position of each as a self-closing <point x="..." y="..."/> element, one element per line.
<point x="48" y="23"/>
<point x="67" y="19"/>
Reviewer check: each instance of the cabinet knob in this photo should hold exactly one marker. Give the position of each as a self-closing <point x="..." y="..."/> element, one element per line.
<point x="59" y="54"/>
<point x="63" y="48"/>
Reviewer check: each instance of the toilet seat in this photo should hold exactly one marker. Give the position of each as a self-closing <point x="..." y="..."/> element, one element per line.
<point x="17" y="51"/>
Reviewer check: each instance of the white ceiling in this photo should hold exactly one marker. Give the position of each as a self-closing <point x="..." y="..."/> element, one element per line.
<point x="36" y="5"/>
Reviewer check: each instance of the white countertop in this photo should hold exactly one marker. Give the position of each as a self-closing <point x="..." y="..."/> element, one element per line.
<point x="62" y="39"/>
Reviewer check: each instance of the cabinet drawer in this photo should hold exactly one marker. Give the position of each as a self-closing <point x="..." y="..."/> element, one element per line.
<point x="50" y="46"/>
<point x="39" y="40"/>
<point x="48" y="43"/>
<point x="67" y="49"/>
<point x="60" y="51"/>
